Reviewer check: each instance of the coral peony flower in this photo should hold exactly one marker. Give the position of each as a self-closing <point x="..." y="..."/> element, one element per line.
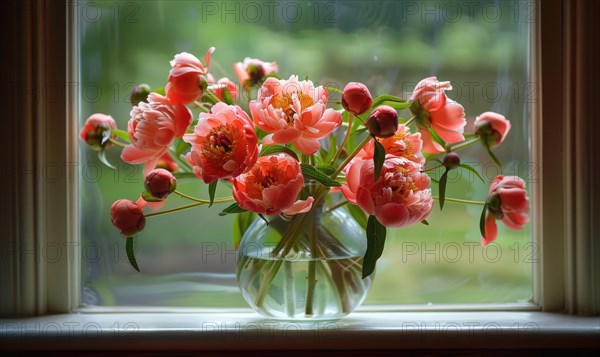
<point x="402" y="144"/>
<point x="252" y="71"/>
<point x="383" y="122"/>
<point x="356" y="98"/>
<point x="226" y="83"/>
<point x="507" y="201"/>
<point x="434" y="109"/>
<point x="127" y="217"/>
<point x="294" y="111"/>
<point x="94" y="130"/>
<point x="492" y="128"/>
<point x="160" y="183"/>
<point x="152" y="128"/>
<point x="186" y="76"/>
<point x="400" y="196"/>
<point x="271" y="187"/>
<point x="224" y="143"/>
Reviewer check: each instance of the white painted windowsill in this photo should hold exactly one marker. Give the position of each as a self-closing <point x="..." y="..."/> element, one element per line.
<point x="244" y="329"/>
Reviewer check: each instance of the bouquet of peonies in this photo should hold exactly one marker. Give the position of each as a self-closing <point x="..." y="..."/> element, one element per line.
<point x="282" y="156"/>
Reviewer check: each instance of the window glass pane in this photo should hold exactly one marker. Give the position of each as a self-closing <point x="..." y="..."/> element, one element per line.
<point x="187" y="259"/>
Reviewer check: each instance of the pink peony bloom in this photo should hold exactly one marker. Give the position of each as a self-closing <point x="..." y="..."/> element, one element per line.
<point x="252" y="71"/>
<point x="271" y="186"/>
<point x="94" y="129"/>
<point x="507" y="201"/>
<point x="402" y="144"/>
<point x="160" y="183"/>
<point x="356" y="98"/>
<point x="185" y="77"/>
<point x="127" y="217"/>
<point x="294" y="112"/>
<point x="226" y="83"/>
<point x="437" y="111"/>
<point x="152" y="128"/>
<point x="224" y="143"/>
<point x="400" y="196"/>
<point x="383" y="122"/>
<point x="492" y="127"/>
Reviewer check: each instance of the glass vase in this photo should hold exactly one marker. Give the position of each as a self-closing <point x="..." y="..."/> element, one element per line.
<point x="308" y="267"/>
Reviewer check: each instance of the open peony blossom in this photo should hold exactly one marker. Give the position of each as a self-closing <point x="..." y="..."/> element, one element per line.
<point x="400" y="196"/>
<point x="402" y="144"/>
<point x="507" y="200"/>
<point x="435" y="110"/>
<point x="127" y="217"/>
<point x="252" y="70"/>
<point x="185" y="77"/>
<point x="492" y="128"/>
<point x="271" y="186"/>
<point x="224" y="143"/>
<point x="294" y="112"/>
<point x="152" y="128"/>
<point x="95" y="128"/>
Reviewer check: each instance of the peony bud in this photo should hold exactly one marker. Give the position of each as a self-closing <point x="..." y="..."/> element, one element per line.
<point x="383" y="122"/>
<point x="139" y="94"/>
<point x="127" y="217"/>
<point x="451" y="160"/>
<point x="96" y="129"/>
<point x="160" y="183"/>
<point x="356" y="98"/>
<point x="492" y="128"/>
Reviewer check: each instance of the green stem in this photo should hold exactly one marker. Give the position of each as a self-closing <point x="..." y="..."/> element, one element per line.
<point x="432" y="168"/>
<point x="336" y="206"/>
<point x="186" y="166"/>
<point x="177" y="209"/>
<point x="458" y="200"/>
<point x="223" y="199"/>
<point x="410" y="121"/>
<point x="351" y="156"/>
<point x="464" y="144"/>
<point x="312" y="266"/>
<point x="341" y="148"/>
<point x="210" y="95"/>
<point x="290" y="294"/>
<point x="202" y="106"/>
<point x="117" y="142"/>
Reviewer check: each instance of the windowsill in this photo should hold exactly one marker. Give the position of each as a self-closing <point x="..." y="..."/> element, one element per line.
<point x="244" y="329"/>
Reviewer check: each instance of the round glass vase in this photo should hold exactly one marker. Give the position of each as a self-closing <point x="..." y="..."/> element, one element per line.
<point x="306" y="268"/>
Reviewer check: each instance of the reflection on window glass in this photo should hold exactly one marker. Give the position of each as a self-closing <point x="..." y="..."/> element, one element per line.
<point x="188" y="259"/>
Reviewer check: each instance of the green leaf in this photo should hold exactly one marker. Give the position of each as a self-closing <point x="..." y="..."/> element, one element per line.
<point x="231" y="209"/>
<point x="425" y="222"/>
<point x="160" y="91"/>
<point x="378" y="158"/>
<point x="241" y="222"/>
<point x="276" y="149"/>
<point x="130" y="254"/>
<point x="325" y="168"/>
<point x="387" y="98"/>
<point x="482" y="220"/>
<point x="470" y="168"/>
<point x="103" y="159"/>
<point x="332" y="148"/>
<point x="312" y="172"/>
<point x="212" y="188"/>
<point x="121" y="134"/>
<point x="358" y="214"/>
<point x="375" y="242"/>
<point x="149" y="198"/>
<point x="396" y="105"/>
<point x="492" y="156"/>
<point x="443" y="181"/>
<point x="182" y="147"/>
